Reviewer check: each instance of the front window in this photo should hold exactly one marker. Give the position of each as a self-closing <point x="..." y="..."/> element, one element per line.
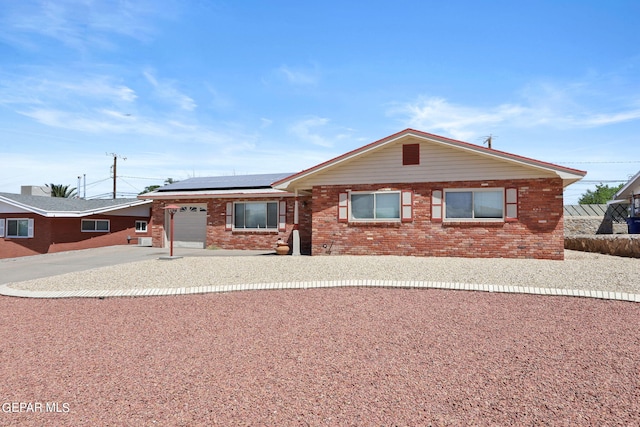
<point x="375" y="206"/>
<point x="95" y="225"/>
<point x="141" y="226"/>
<point x="256" y="215"/>
<point x="474" y="204"/>
<point x="18" y="228"/>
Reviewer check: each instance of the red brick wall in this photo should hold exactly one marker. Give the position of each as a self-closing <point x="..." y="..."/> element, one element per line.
<point x="537" y="233"/>
<point x="219" y="237"/>
<point x="65" y="234"/>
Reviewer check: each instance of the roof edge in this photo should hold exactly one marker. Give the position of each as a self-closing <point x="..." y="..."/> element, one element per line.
<point x="72" y="214"/>
<point x="628" y="185"/>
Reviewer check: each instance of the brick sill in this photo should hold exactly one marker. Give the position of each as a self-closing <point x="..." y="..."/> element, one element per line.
<point x="241" y="231"/>
<point x="495" y="224"/>
<point x="375" y="223"/>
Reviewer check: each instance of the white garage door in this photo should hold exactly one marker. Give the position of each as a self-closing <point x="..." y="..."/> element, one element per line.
<point x="190" y="227"/>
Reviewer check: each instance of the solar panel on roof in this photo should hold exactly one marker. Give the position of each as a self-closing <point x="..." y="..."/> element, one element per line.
<point x="226" y="182"/>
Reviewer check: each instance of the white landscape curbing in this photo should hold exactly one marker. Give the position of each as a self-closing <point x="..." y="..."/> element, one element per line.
<point x="412" y="284"/>
<point x="580" y="274"/>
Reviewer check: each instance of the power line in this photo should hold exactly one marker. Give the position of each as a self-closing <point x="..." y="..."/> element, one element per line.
<point x="141" y="177"/>
<point x="129" y="184"/>
<point x="98" y="182"/>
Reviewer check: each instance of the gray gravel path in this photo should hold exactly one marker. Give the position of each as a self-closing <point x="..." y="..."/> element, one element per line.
<point x="579" y="270"/>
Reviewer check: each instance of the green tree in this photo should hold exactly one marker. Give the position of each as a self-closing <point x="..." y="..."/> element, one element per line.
<point x="602" y="194"/>
<point x="151" y="188"/>
<point x="59" y="190"/>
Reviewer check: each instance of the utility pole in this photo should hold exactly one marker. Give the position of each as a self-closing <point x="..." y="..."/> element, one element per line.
<point x="115" y="165"/>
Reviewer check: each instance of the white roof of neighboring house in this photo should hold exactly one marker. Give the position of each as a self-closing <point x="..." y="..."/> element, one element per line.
<point x="512" y="165"/>
<point x="66" y="207"/>
<point x="631" y="187"/>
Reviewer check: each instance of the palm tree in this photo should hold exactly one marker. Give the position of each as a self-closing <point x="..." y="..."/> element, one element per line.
<point x="59" y="190"/>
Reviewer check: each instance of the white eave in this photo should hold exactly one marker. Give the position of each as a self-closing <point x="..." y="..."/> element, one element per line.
<point x="72" y="214"/>
<point x="630" y="188"/>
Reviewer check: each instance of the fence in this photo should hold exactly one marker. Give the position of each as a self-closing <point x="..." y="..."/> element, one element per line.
<point x="595" y="219"/>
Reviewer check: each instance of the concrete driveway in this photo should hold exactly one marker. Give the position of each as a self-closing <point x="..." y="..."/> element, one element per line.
<point x="38" y="266"/>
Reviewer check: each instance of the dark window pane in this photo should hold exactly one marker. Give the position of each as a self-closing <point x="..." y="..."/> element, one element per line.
<point x="12" y="227"/>
<point x="459" y="204"/>
<point x="88" y="225"/>
<point x="272" y="215"/>
<point x="362" y="206"/>
<point x="239" y="215"/>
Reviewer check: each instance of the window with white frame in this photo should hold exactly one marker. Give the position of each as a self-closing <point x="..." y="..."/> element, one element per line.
<point x="95" y="225"/>
<point x="375" y="206"/>
<point x="141" y="226"/>
<point x="474" y="204"/>
<point x="17" y="228"/>
<point x="255" y="215"/>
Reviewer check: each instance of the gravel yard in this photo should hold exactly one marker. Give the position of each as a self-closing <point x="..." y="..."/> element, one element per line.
<point x="334" y="356"/>
<point x="338" y="356"/>
<point x="579" y="270"/>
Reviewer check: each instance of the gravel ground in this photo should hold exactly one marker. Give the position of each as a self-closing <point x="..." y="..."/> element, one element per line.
<point x="579" y="270"/>
<point x="337" y="356"/>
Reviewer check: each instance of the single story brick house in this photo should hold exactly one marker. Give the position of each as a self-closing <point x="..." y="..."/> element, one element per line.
<point x="31" y="225"/>
<point x="412" y="193"/>
<point x="228" y="212"/>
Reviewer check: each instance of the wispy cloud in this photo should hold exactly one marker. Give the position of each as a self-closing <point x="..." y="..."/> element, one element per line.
<point x="315" y="130"/>
<point x="167" y="92"/>
<point x="78" y="24"/>
<point x="299" y="76"/>
<point x="104" y="121"/>
<point x="459" y="121"/>
<point x="306" y="131"/>
<point x="45" y="90"/>
<point x="541" y="104"/>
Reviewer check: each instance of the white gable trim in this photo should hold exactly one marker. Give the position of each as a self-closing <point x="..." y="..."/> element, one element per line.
<point x="22" y="208"/>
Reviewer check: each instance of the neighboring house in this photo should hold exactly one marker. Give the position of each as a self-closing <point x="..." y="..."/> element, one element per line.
<point x="32" y="225"/>
<point x="412" y="193"/>
<point x="630" y="193"/>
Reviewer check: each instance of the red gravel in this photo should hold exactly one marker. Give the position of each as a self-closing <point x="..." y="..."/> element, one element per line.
<point x="345" y="356"/>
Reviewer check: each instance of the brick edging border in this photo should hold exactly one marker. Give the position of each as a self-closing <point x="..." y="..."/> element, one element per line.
<point x="410" y="284"/>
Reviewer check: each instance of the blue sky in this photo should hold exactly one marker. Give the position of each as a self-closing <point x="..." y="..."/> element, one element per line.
<point x="198" y="88"/>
